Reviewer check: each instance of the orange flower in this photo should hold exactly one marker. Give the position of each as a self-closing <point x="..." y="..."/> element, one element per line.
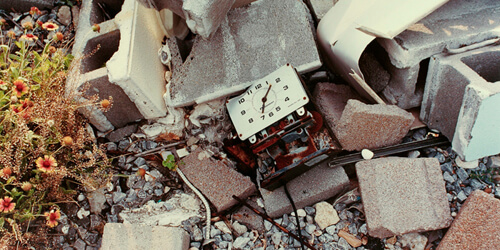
<point x="26" y="186"/>
<point x="6" y="172"/>
<point x="59" y="36"/>
<point x="39" y="23"/>
<point x="35" y="10"/>
<point x="11" y="34"/>
<point x="6" y="204"/>
<point x="50" y="26"/>
<point x="46" y="164"/>
<point x="96" y="28"/>
<point x="67" y="141"/>
<point x="105" y="103"/>
<point x="25" y="104"/>
<point x="3" y="22"/>
<point x="28" y="25"/>
<point x="52" y="217"/>
<point x="20" y="88"/>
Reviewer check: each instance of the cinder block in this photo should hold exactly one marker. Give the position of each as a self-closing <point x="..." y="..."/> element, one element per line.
<point x="461" y="100"/>
<point x="317" y="184"/>
<point x="128" y="46"/>
<point x="25" y="5"/>
<point x="204" y="17"/>
<point x="217" y="181"/>
<point x="403" y="195"/>
<point x="453" y="25"/>
<point x="252" y="42"/>
<point x="476" y="225"/>
<point x="136" y="236"/>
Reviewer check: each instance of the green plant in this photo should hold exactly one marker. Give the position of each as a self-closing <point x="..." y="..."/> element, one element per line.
<point x="170" y="162"/>
<point x="45" y="150"/>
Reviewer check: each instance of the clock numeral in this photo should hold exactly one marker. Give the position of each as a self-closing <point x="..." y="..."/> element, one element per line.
<point x="278" y="80"/>
<point x="271" y="114"/>
<point x="287" y="99"/>
<point x="285" y="87"/>
<point x="263" y="116"/>
<point x="258" y="86"/>
<point x="242" y="100"/>
<point x="278" y="109"/>
<point x="243" y="112"/>
<point x="250" y="120"/>
<point x="249" y="92"/>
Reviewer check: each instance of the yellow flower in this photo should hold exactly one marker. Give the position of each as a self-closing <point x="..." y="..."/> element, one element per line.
<point x="46" y="164"/>
<point x="28" y="38"/>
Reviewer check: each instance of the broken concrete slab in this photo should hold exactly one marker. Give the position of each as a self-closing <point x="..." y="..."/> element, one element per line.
<point x="125" y="44"/>
<point x="403" y="195"/>
<point x="476" y="225"/>
<point x="128" y="236"/>
<point x="217" y="181"/>
<point x="204" y="17"/>
<point x="357" y="125"/>
<point x="317" y="184"/>
<point x="320" y="7"/>
<point x="252" y="42"/>
<point x="460" y="100"/>
<point x="453" y="25"/>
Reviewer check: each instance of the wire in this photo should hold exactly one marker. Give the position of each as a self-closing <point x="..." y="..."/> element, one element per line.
<point x="296" y="214"/>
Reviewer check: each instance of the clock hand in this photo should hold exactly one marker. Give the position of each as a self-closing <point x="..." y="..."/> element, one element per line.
<point x="264" y="99"/>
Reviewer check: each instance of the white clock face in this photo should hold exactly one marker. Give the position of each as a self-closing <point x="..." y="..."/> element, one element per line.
<point x="267" y="101"/>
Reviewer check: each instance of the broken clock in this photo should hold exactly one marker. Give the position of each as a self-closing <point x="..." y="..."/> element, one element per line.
<point x="278" y="127"/>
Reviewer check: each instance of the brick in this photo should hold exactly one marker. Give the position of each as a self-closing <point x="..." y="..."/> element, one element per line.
<point x="25" y="5"/>
<point x="252" y="42"/>
<point x="476" y="225"/>
<point x="403" y="195"/>
<point x="371" y="126"/>
<point x="136" y="236"/>
<point x="317" y="184"/>
<point x="217" y="181"/>
<point x="125" y="45"/>
<point x="460" y="100"/>
<point x="453" y="25"/>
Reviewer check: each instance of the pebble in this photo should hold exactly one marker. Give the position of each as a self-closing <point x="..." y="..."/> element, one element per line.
<point x="461" y="196"/>
<point x="363" y="229"/>
<point x="331" y="230"/>
<point x="447" y="166"/>
<point x="239" y="228"/>
<point x="466" y="164"/>
<point x="310" y="228"/>
<point x="310" y="210"/>
<point x="325" y="215"/>
<point x="139" y="161"/>
<point x="367" y="154"/>
<point x="440" y="157"/>
<point x="414" y="154"/>
<point x="240" y="242"/>
<point x="449" y="178"/>
<point x="462" y="174"/>
<point x="475" y="184"/>
<point x="300" y="212"/>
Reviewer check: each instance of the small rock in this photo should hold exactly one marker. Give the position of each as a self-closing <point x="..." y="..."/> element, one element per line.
<point x="344" y="244"/>
<point x="414" y="241"/>
<point x="300" y="212"/>
<point x="276" y="238"/>
<point x="82" y="213"/>
<point x="447" y="166"/>
<point x="363" y="229"/>
<point x="267" y="225"/>
<point x="222" y="227"/>
<point x="466" y="164"/>
<point x="475" y="184"/>
<point x="462" y="174"/>
<point x="64" y="15"/>
<point x="493" y="162"/>
<point x="448" y="177"/>
<point x="414" y="154"/>
<point x="310" y="210"/>
<point x="367" y="154"/>
<point x="325" y="215"/>
<point x="118" y="196"/>
<point x="440" y="158"/>
<point x="461" y="196"/>
<point x="310" y="228"/>
<point x="240" y="242"/>
<point x="351" y="239"/>
<point x="239" y="229"/>
<point x="97" y="200"/>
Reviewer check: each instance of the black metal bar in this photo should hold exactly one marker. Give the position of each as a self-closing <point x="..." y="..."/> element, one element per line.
<point x="390" y="150"/>
<point x="272" y="222"/>
<point x="296" y="213"/>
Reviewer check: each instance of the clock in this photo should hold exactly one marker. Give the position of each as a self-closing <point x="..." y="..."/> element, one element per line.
<point x="267" y="101"/>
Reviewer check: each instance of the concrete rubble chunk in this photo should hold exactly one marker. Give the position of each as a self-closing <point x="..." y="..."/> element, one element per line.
<point x="461" y="100"/>
<point x="326" y="215"/>
<point x="129" y="236"/>
<point x="317" y="184"/>
<point x="453" y="25"/>
<point x="204" y="17"/>
<point x="403" y="195"/>
<point x="252" y="42"/>
<point x="357" y="125"/>
<point x="217" y="181"/>
<point x="133" y="75"/>
<point x="476" y="225"/>
<point x="320" y="7"/>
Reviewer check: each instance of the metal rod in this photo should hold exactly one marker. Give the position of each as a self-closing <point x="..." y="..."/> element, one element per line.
<point x="273" y="222"/>
<point x="151" y="151"/>
<point x="390" y="150"/>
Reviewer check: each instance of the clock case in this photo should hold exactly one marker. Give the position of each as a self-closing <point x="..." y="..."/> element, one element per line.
<point x="287" y="148"/>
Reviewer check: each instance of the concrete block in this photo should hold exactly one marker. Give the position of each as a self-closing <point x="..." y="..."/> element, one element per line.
<point x="476" y="225"/>
<point x="460" y="100"/>
<point x="25" y="5"/>
<point x="403" y="195"/>
<point x="204" y="17"/>
<point x="136" y="236"/>
<point x="320" y="7"/>
<point x="127" y="45"/>
<point x="252" y="42"/>
<point x="217" y="181"/>
<point x="453" y="25"/>
<point x="317" y="184"/>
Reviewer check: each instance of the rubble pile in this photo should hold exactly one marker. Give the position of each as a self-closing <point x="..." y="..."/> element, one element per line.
<point x="172" y="67"/>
